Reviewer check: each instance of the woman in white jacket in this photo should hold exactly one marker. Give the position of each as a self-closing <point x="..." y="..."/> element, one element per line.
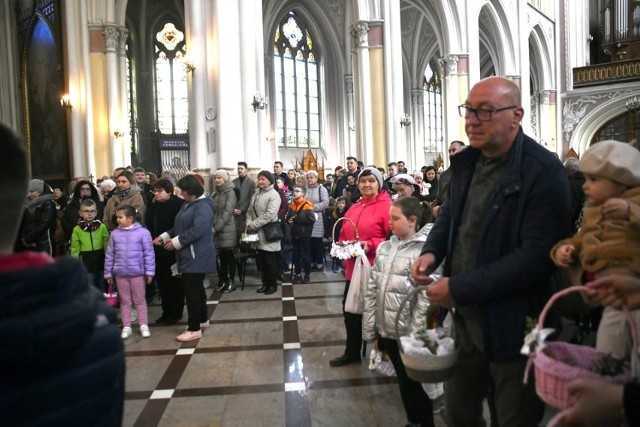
<point x="388" y="286"/>
<point x="263" y="209"/>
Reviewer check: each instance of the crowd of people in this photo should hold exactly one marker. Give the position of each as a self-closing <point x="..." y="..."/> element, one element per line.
<point x="485" y="237"/>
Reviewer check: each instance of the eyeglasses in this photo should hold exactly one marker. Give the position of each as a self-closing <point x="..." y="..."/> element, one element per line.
<point x="482" y="114"/>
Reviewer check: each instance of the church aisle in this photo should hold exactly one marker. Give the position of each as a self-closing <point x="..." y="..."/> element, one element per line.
<point x="264" y="361"/>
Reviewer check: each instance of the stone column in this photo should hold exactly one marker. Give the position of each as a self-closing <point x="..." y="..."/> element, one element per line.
<point x="350" y="143"/>
<point x="197" y="54"/>
<point x="364" y="95"/>
<point x="455" y="78"/>
<point x="417" y="129"/>
<point x="547" y="127"/>
<point x="124" y="121"/>
<point x="111" y="36"/>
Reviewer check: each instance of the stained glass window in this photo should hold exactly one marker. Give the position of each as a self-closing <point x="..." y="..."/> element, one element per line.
<point x="297" y="85"/>
<point x="172" y="104"/>
<point x="432" y="86"/>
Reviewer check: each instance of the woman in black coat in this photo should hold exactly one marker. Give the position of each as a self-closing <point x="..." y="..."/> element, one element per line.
<point x="38" y="219"/>
<point x="431" y="178"/>
<point x="83" y="190"/>
<point x="160" y="217"/>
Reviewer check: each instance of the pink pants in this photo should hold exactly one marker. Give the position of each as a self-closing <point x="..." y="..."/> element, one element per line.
<point x="132" y="288"/>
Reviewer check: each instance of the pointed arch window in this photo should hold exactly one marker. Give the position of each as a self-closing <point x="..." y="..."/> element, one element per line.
<point x="172" y="104"/>
<point x="432" y="86"/>
<point x="297" y="85"/>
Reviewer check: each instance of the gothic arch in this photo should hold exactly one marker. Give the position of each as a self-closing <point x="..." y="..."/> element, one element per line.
<point x="596" y="118"/>
<point x="539" y="49"/>
<point x="496" y="37"/>
<point x="334" y="54"/>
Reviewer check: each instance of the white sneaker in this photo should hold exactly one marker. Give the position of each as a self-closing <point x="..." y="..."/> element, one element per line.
<point x="126" y="332"/>
<point x="144" y="330"/>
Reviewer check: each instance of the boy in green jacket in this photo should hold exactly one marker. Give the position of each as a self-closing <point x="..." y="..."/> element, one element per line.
<point x="89" y="241"/>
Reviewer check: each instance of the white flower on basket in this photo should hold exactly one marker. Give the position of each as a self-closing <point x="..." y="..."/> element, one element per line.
<point x="346" y="250"/>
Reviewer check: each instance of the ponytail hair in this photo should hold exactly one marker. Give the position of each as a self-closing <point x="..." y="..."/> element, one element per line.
<point x="411" y="206"/>
<point x="130" y="212"/>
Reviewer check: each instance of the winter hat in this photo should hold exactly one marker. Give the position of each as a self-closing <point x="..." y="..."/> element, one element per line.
<point x="163" y="184"/>
<point x="222" y="174"/>
<point x="372" y="171"/>
<point x="36" y="185"/>
<point x="268" y="175"/>
<point x="337" y="168"/>
<point x="614" y="160"/>
<point x="405" y="179"/>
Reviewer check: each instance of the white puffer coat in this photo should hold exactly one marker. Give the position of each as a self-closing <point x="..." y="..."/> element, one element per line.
<point x="389" y="285"/>
<point x="263" y="209"/>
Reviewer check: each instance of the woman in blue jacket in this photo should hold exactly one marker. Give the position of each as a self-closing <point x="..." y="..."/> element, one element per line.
<point x="192" y="239"/>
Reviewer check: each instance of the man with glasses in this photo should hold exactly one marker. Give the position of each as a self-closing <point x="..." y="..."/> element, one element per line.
<point x="508" y="204"/>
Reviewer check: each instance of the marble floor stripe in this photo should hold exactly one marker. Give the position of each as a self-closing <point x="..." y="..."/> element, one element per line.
<point x="152" y="413"/>
<point x="297" y="409"/>
<point x="222" y="391"/>
<point x="173" y="373"/>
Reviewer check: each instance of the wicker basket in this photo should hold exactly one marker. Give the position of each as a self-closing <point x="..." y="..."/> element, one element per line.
<point x="556" y="364"/>
<point x="424" y="368"/>
<point x="111" y="297"/>
<point x="345" y="249"/>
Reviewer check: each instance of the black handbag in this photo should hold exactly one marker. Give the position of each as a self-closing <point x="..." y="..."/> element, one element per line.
<point x="273" y="231"/>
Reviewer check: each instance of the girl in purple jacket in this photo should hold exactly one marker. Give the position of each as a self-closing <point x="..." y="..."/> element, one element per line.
<point x="131" y="261"/>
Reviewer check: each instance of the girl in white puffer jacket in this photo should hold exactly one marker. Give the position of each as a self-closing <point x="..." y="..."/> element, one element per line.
<point x="388" y="286"/>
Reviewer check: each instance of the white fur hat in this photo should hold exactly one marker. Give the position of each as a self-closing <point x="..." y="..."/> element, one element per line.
<point x="614" y="160"/>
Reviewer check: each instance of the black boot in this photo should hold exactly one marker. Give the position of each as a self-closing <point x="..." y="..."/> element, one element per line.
<point x="230" y="288"/>
<point x="222" y="285"/>
<point x="261" y="289"/>
<point x="271" y="290"/>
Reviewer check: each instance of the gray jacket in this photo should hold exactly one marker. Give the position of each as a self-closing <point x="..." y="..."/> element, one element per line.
<point x="262" y="210"/>
<point x="389" y="285"/>
<point x="224" y="201"/>
<point x="247" y="188"/>
<point x="319" y="196"/>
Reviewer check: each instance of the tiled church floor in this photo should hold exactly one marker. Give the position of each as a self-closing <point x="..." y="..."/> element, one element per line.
<point x="263" y="362"/>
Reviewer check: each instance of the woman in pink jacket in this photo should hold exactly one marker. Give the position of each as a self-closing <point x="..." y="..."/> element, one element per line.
<point x="370" y="214"/>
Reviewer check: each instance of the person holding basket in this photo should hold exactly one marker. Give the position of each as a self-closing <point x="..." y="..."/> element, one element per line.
<point x="385" y="291"/>
<point x="507" y="205"/>
<point x="367" y="223"/>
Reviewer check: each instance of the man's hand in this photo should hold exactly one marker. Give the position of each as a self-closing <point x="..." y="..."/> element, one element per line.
<point x="169" y="246"/>
<point x="598" y="403"/>
<point x="438" y="292"/>
<point x="616" y="290"/>
<point x="158" y="241"/>
<point x="422" y="268"/>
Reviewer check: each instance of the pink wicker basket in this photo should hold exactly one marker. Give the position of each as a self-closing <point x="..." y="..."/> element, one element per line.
<point x="111" y="297"/>
<point x="559" y="363"/>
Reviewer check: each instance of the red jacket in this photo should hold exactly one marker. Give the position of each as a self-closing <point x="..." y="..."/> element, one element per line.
<point x="371" y="217"/>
